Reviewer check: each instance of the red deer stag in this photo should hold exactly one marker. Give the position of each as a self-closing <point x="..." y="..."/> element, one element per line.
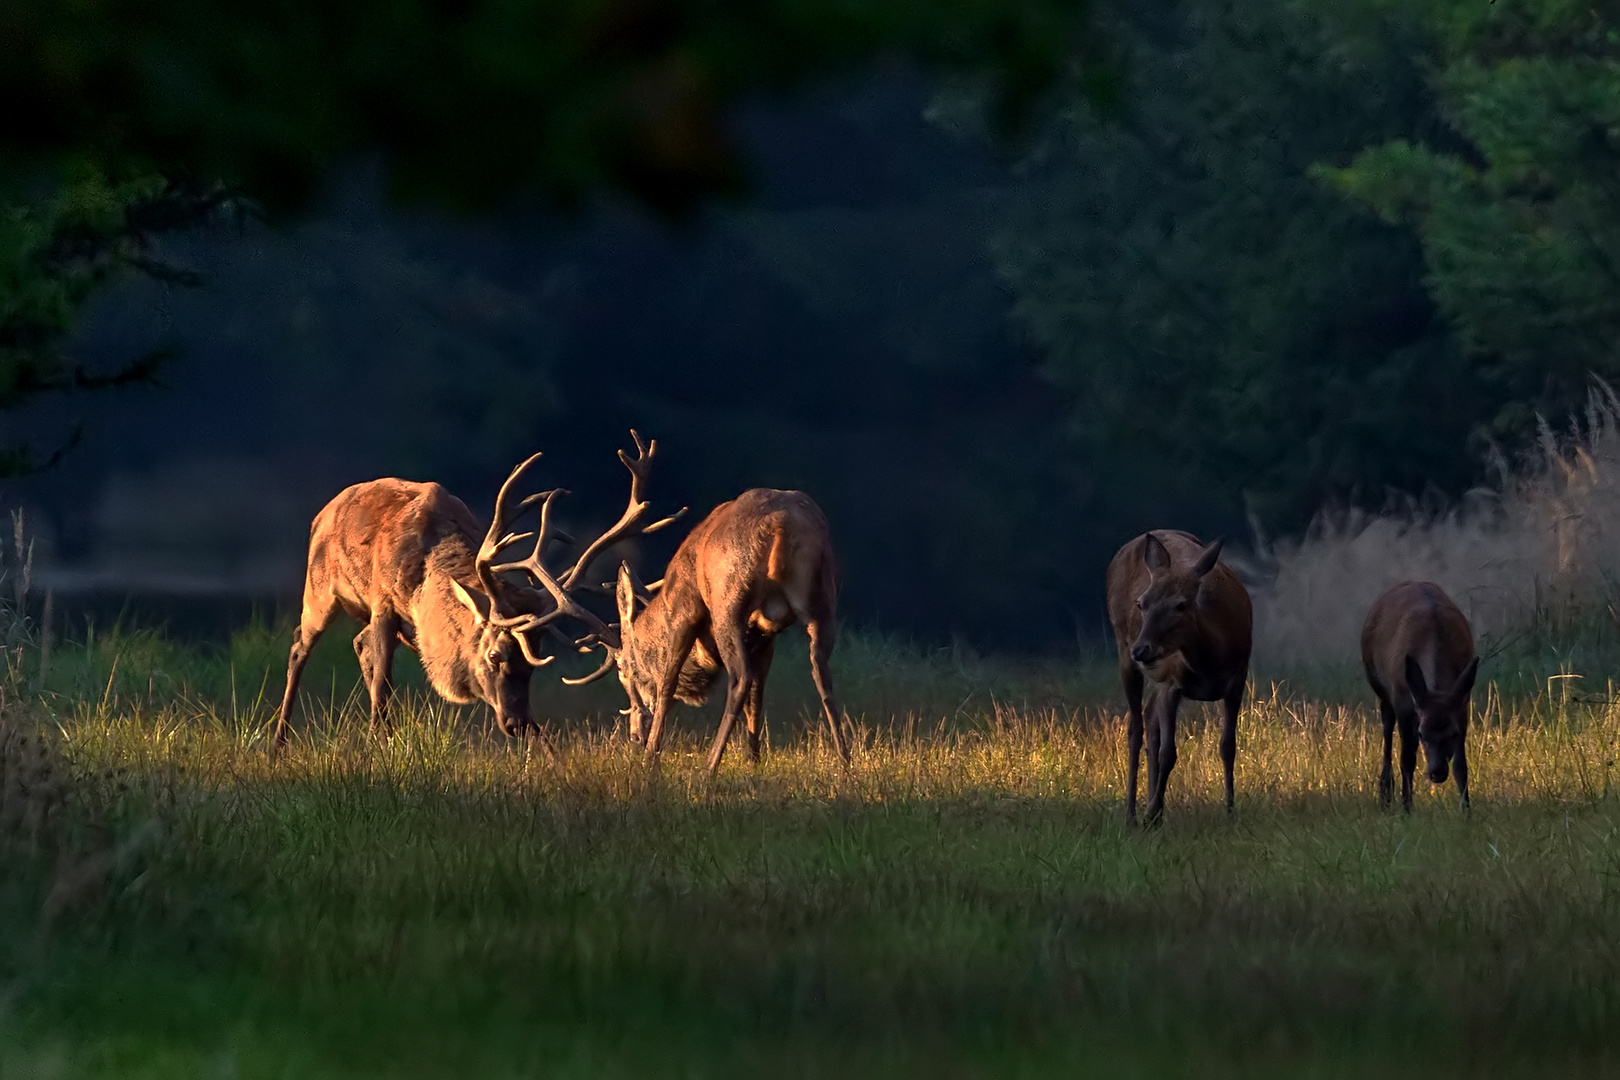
<point x="1182" y="621"/>
<point x="403" y="559"/>
<point x="1419" y="656"/>
<point x="748" y="571"/>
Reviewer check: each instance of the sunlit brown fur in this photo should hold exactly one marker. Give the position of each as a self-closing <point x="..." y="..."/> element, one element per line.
<point x="752" y="568"/>
<point x="1182" y="621"/>
<point x="1418" y="652"/>
<point x="390" y="553"/>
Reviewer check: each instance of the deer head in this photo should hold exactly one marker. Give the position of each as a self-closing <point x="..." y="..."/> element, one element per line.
<point x="1170" y="604"/>
<point x="1442" y="715"/>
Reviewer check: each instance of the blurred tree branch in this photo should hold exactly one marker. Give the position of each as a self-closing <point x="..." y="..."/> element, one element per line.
<point x="471" y="101"/>
<point x="54" y="253"/>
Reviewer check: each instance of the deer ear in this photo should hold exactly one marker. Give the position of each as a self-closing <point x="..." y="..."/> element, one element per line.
<point x="626" y="597"/>
<point x="1208" y="558"/>
<point x="1465" y="682"/>
<point x="1155" y="554"/>
<point x="474" y="599"/>
<point x="1415" y="682"/>
<point x="636" y="586"/>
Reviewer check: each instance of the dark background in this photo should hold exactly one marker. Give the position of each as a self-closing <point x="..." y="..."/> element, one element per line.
<point x="1210" y="305"/>
<point x="845" y="334"/>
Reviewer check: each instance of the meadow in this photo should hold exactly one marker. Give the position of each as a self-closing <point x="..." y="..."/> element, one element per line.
<point x="963" y="900"/>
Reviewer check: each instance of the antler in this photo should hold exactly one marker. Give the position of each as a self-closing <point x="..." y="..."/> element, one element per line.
<point x="499" y="537"/>
<point x="607" y="665"/>
<point x="536" y="569"/>
<point x="634" y="511"/>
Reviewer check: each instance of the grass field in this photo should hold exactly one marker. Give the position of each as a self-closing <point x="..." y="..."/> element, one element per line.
<point x="964" y="901"/>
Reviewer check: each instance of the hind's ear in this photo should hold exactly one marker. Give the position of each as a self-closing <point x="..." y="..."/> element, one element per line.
<point x="1416" y="684"/>
<point x="1465" y="682"/>
<point x="474" y="599"/>
<point x="1155" y="554"/>
<point x="625" y="595"/>
<point x="1208" y="558"/>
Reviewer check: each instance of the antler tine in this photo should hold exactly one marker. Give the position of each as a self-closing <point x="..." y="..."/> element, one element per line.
<point x="529" y="654"/>
<point x="539" y="535"/>
<point x="607" y="664"/>
<point x="672" y="519"/>
<point x="644" y="449"/>
<point x="498" y="527"/>
<point x="640" y="468"/>
<point x="535" y="568"/>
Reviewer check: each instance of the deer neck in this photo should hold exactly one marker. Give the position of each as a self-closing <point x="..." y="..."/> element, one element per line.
<point x="1202" y="652"/>
<point x="652" y="634"/>
<point x="446" y="632"/>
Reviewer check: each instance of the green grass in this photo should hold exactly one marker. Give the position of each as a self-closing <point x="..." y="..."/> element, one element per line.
<point x="964" y="901"/>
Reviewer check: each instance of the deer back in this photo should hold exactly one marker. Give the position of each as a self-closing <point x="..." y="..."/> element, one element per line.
<point x="1415" y="619"/>
<point x="765" y="557"/>
<point x="370" y="546"/>
<point x="402" y="548"/>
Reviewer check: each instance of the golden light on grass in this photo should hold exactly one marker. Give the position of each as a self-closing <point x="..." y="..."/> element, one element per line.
<point x="1552" y="747"/>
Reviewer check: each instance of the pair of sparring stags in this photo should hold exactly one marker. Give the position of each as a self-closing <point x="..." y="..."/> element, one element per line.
<point x="405" y="560"/>
<point x="400" y="557"/>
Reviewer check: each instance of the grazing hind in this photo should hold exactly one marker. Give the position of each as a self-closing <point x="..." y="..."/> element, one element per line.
<point x="1418" y="652"/>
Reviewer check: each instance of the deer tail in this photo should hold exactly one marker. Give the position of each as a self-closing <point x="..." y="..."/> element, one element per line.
<point x="777" y="563"/>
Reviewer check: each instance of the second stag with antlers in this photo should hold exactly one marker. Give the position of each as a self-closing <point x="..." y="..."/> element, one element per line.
<point x="404" y="559"/>
<point x="748" y="571"/>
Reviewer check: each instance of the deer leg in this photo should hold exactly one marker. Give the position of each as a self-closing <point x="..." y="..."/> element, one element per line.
<point x="363" y="652"/>
<point x="1233" y="705"/>
<point x="1151" y="716"/>
<point x="754" y="705"/>
<point x="309" y="631"/>
<point x="380" y="678"/>
<point x="1169" y="700"/>
<point x="1409" y="748"/>
<point x="1459" y="770"/>
<point x="1131" y="676"/>
<point x="681" y="638"/>
<point x="822" y="636"/>
<point x="737" y="692"/>
<point x="730" y="640"/>
<point x="1386" y="778"/>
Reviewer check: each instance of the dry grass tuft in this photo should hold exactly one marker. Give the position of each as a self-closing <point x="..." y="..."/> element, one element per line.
<point x="1540" y="552"/>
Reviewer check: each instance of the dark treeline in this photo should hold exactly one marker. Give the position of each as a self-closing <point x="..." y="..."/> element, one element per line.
<point x="1307" y="258"/>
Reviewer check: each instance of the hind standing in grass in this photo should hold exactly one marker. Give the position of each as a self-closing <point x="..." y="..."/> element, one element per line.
<point x="1418" y="652"/>
<point x="1183" y="622"/>
<point x="748" y="571"/>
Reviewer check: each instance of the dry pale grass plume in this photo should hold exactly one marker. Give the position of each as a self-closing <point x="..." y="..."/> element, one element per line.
<point x="1540" y="549"/>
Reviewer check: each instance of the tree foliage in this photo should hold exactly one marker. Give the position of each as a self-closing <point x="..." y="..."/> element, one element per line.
<point x="1518" y="205"/>
<point x="54" y="253"/>
<point x="1209" y="307"/>
<point x="469" y="101"/>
